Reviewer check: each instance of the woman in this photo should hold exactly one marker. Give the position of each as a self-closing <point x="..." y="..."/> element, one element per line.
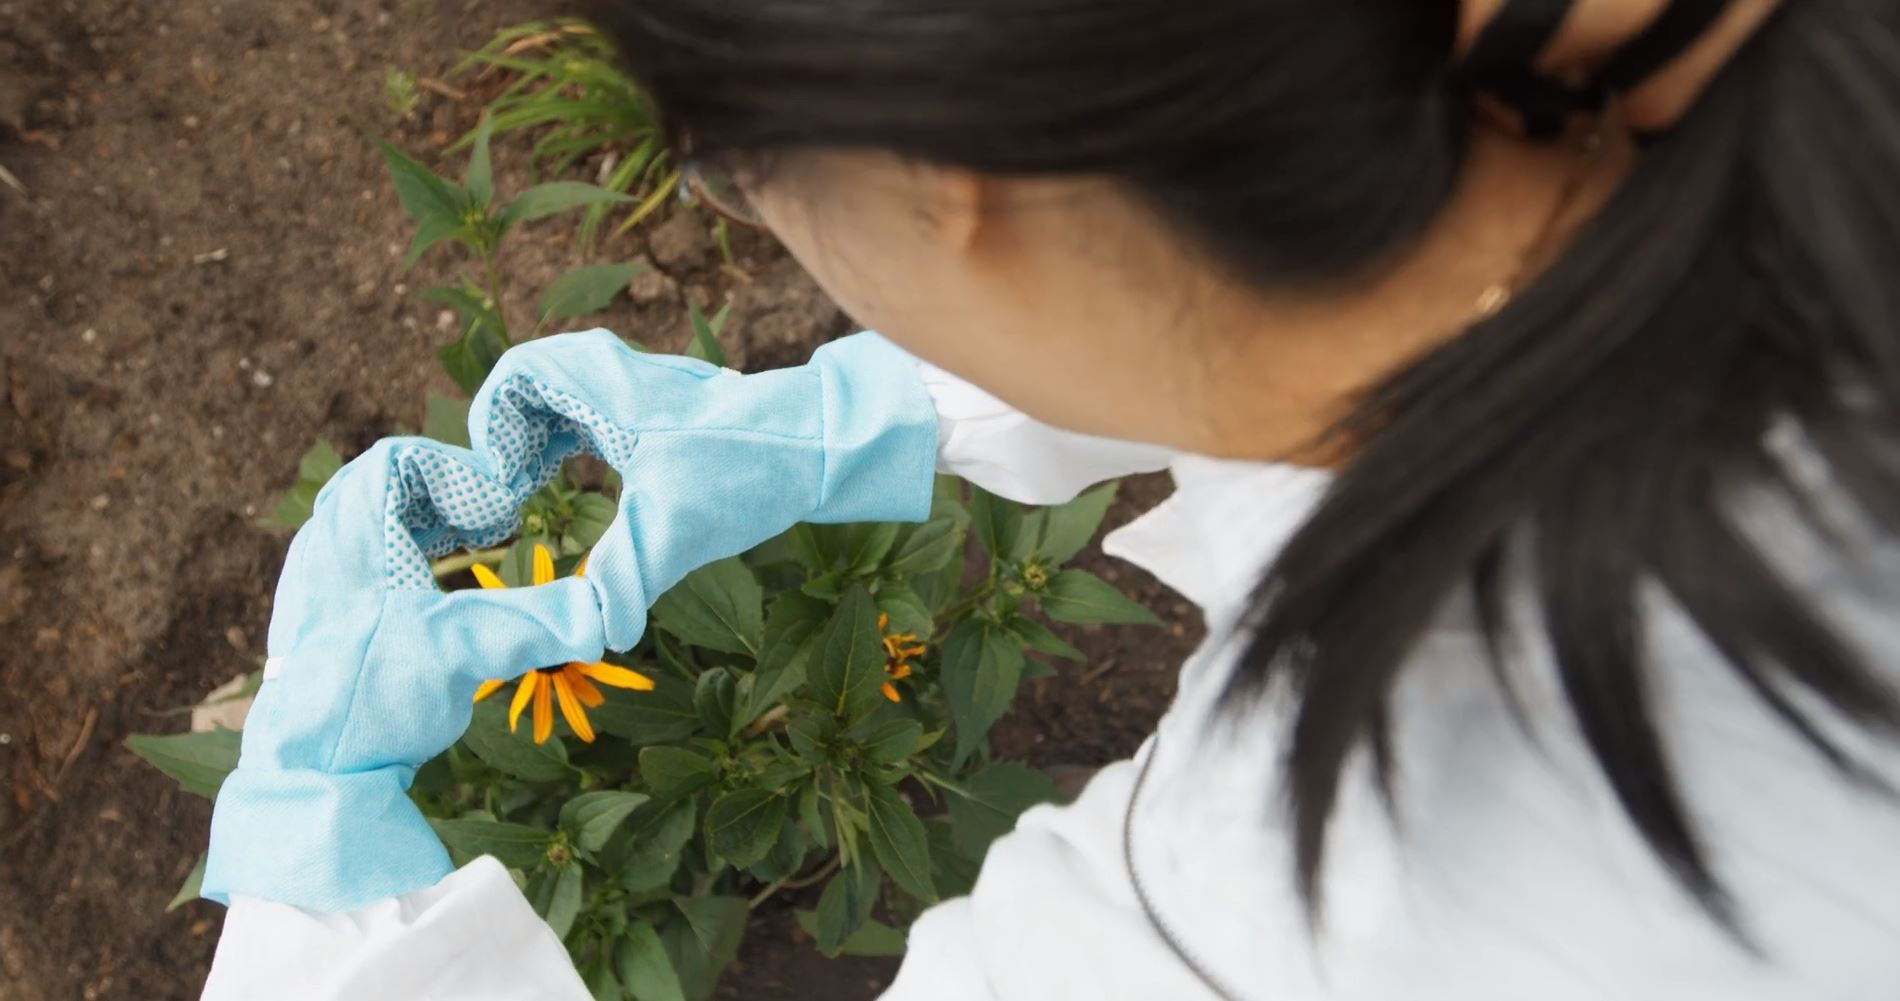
<point x="1532" y="370"/>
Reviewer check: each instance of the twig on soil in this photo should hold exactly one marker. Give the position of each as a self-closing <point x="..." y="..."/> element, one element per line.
<point x="79" y="745"/>
<point x="430" y="83"/>
<point x="7" y="178"/>
<point x="1095" y="675"/>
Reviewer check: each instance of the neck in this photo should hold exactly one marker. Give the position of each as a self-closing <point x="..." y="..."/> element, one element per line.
<point x="1274" y="393"/>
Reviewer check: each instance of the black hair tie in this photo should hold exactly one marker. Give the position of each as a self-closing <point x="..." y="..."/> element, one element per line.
<point x="1503" y="60"/>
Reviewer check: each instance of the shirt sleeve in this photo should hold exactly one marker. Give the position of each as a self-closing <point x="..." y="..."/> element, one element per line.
<point x="1054" y="914"/>
<point x="471" y="937"/>
<point x="1013" y="455"/>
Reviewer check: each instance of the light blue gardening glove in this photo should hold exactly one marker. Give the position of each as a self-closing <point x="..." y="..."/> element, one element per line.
<point x="373" y="670"/>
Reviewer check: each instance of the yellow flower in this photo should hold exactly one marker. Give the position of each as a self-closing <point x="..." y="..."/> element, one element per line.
<point x="571" y="684"/>
<point x="899" y="648"/>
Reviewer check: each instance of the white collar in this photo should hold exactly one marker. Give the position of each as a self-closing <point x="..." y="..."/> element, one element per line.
<point x="1224" y="522"/>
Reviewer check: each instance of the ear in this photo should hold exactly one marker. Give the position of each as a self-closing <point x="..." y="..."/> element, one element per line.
<point x="951" y="204"/>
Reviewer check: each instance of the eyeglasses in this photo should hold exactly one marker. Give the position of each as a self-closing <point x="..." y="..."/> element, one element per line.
<point x="718" y="190"/>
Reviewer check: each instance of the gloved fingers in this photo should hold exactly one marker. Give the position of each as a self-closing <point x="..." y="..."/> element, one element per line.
<point x="391" y="510"/>
<point x="497" y="635"/>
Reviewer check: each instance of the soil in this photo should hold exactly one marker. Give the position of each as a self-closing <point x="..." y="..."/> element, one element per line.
<point x="203" y="274"/>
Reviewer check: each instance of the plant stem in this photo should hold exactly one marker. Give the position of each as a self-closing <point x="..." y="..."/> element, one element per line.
<point x="983" y="593"/>
<point x="789" y="883"/>
<point x="770" y="720"/>
<point x="462" y="561"/>
<point x="494" y="288"/>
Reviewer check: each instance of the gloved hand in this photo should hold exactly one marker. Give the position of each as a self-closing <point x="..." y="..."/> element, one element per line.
<point x="373" y="670"/>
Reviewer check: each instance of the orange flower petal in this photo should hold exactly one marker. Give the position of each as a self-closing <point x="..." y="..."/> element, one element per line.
<point x="883" y="620"/>
<point x="543" y="565"/>
<point x="523" y="692"/>
<point x="486" y="577"/>
<point x="900" y="672"/>
<point x="618" y="677"/>
<point x="583" y="689"/>
<point x="890" y="692"/>
<point x="581" y="569"/>
<point x="488" y="688"/>
<point x="571" y="708"/>
<point x="543" y="711"/>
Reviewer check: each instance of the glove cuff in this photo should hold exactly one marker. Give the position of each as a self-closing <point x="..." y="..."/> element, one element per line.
<point x="327" y="843"/>
<point x="880" y="428"/>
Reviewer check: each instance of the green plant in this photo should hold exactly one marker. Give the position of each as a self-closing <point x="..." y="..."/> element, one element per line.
<point x="401" y="93"/>
<point x="819" y="711"/>
<point x="569" y="88"/>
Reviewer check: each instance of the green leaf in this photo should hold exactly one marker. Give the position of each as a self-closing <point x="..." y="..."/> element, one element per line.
<point x="814" y="823"/>
<point x="816" y="547"/>
<point x="593" y="514"/>
<point x="868" y="545"/>
<point x="1026" y="537"/>
<point x="199" y="761"/>
<point x="1080" y="596"/>
<point x="585" y="290"/>
<point x="516" y="846"/>
<point x="599" y="977"/>
<point x="469" y="360"/>
<point x="513" y="753"/>
<point x="672" y="772"/>
<point x="954" y="872"/>
<point x="706" y="941"/>
<point x="1066" y="529"/>
<point x="999" y="522"/>
<point x="555" y="197"/>
<point x="828" y="586"/>
<point x="594" y="816"/>
<point x="891" y="741"/>
<point x="716" y="607"/>
<point x="899" y="842"/>
<point x="480" y="179"/>
<point x="658" y="847"/>
<point x="928" y="548"/>
<point x="744" y="825"/>
<point x="645" y="968"/>
<point x="907" y="611"/>
<point x="792" y="631"/>
<point x="1040" y="639"/>
<point x="192" y="888"/>
<point x="516" y="568"/>
<point x="997" y="795"/>
<point x="874" y="938"/>
<point x="427" y="198"/>
<point x="981" y="670"/>
<point x="714" y="698"/>
<point x="446" y="420"/>
<point x="787" y="856"/>
<point x="845" y="906"/>
<point x="705" y="344"/>
<point x="565" y="905"/>
<point x="430" y="233"/>
<point x="850" y="665"/>
<point x="313" y="471"/>
<point x="661" y="716"/>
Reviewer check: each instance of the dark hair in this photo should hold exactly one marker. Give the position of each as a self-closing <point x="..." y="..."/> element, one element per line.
<point x="1601" y="423"/>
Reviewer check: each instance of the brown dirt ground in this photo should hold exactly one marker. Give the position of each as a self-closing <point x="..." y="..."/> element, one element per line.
<point x="203" y="275"/>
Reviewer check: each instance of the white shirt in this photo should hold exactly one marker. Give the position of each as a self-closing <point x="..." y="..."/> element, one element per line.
<point x="1508" y="873"/>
